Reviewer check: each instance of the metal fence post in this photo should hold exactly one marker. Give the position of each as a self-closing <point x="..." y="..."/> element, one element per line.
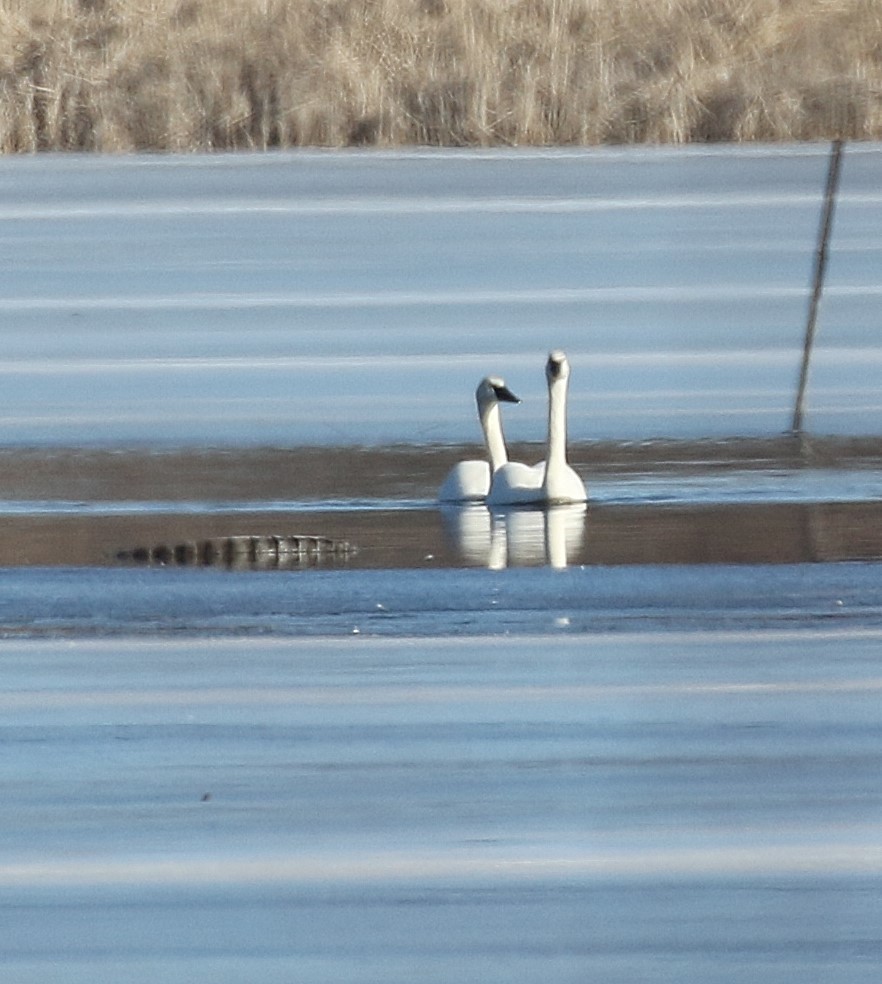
<point x="818" y="286"/>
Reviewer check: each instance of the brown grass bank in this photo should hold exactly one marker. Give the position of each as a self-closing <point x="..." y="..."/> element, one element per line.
<point x="190" y="75"/>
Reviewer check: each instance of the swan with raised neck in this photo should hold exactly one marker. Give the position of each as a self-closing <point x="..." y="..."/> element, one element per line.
<point x="560" y="483"/>
<point x="552" y="480"/>
<point x="469" y="481"/>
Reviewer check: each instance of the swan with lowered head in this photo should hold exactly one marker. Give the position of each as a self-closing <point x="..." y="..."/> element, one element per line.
<point x="553" y="480"/>
<point x="469" y="481"/>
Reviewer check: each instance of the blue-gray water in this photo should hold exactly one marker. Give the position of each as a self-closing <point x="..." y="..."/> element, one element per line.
<point x="659" y="806"/>
<point x="635" y="743"/>
<point x="350" y="298"/>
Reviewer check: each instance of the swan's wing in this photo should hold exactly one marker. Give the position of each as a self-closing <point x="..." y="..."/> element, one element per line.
<point x="467" y="481"/>
<point x="567" y="487"/>
<point x="516" y="483"/>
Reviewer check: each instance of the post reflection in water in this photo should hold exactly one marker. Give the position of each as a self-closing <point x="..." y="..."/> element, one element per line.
<point x="515" y="536"/>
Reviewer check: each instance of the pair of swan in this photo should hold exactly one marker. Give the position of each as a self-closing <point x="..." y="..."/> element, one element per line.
<point x="504" y="482"/>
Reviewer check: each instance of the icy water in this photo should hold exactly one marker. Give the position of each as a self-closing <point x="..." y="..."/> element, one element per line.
<point x="657" y="806"/>
<point x="357" y="299"/>
<point x="638" y="741"/>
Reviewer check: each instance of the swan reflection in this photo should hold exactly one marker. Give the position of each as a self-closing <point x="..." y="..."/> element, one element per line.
<point x="515" y="536"/>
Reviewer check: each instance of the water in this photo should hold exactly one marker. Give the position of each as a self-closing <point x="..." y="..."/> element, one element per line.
<point x="633" y="742"/>
<point x="348" y="299"/>
<point x="773" y="501"/>
<point x="72" y="603"/>
<point x="658" y="806"/>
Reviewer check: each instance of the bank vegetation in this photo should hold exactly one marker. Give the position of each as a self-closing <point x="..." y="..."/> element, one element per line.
<point x="202" y="75"/>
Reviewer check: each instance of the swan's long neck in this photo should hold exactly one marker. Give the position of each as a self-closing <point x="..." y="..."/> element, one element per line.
<point x="556" y="445"/>
<point x="491" y="422"/>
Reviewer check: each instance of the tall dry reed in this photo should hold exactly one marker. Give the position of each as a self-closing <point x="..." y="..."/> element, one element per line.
<point x="187" y="75"/>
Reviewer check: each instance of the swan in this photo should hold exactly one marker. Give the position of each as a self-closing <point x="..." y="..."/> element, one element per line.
<point x="469" y="481"/>
<point x="552" y="480"/>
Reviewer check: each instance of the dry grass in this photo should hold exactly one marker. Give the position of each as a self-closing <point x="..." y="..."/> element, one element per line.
<point x="187" y="75"/>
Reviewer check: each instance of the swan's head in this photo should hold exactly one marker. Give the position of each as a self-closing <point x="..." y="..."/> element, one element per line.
<point x="557" y="366"/>
<point x="493" y="390"/>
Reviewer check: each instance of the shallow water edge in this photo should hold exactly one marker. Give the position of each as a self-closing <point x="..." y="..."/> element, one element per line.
<point x="775" y="501"/>
<point x="358" y="473"/>
<point x="426" y="539"/>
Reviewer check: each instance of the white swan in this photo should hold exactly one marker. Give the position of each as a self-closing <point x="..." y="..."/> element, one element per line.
<point x="469" y="481"/>
<point x="552" y="480"/>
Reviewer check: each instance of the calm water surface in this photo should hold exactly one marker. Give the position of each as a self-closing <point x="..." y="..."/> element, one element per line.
<point x="357" y="298"/>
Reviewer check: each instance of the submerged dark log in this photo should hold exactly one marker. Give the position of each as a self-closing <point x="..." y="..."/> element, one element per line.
<point x="243" y="552"/>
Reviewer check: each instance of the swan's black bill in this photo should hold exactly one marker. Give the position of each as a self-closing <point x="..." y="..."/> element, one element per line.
<point x="505" y="394"/>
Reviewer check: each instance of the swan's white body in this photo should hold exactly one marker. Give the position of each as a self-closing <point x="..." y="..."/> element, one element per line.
<point x="469" y="481"/>
<point x="517" y="484"/>
<point x="553" y="480"/>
